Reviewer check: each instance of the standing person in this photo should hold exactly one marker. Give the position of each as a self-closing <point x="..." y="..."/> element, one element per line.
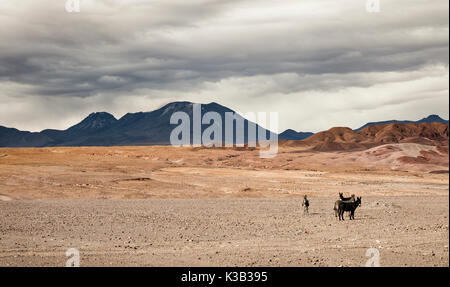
<point x="305" y="204"/>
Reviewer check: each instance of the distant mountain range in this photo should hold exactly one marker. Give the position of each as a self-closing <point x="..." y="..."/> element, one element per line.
<point x="103" y="129"/>
<point x="429" y="119"/>
<point x="154" y="128"/>
<point x="293" y="135"/>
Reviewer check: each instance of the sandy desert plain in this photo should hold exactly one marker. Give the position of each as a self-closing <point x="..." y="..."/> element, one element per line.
<point x="168" y="206"/>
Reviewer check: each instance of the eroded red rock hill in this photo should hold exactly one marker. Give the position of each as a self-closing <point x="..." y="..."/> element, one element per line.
<point x="343" y="138"/>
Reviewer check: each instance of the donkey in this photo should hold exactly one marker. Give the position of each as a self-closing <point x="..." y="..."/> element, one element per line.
<point x="305" y="204"/>
<point x="347" y="206"/>
<point x="341" y="196"/>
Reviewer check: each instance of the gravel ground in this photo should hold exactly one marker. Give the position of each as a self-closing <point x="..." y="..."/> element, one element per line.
<point x="406" y="230"/>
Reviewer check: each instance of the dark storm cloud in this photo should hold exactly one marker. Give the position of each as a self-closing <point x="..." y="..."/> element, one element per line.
<point x="115" y="49"/>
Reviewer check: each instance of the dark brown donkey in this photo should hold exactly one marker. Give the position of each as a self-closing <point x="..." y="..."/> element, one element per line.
<point x="347" y="206"/>
<point x="341" y="196"/>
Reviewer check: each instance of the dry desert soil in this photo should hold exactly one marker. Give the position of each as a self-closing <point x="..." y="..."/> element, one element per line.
<point x="166" y="206"/>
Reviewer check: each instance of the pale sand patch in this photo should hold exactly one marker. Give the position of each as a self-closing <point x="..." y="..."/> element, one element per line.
<point x="5" y="198"/>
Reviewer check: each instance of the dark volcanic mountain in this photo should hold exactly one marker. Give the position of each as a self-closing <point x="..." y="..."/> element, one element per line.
<point x="102" y="129"/>
<point x="94" y="123"/>
<point x="293" y="135"/>
<point x="10" y="137"/>
<point x="429" y="119"/>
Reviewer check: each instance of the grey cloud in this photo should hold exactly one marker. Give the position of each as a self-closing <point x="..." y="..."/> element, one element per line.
<point x="183" y="48"/>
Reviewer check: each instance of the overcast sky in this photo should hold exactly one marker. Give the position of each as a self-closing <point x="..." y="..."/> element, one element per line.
<point x="319" y="63"/>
